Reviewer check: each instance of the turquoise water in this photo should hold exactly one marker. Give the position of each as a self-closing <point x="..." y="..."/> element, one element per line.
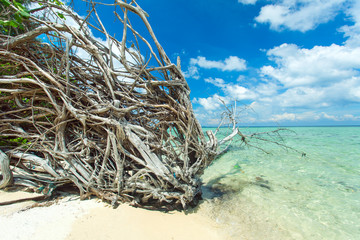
<point x="284" y="195"/>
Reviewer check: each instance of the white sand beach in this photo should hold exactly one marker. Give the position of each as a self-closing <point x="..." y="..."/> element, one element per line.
<point x="70" y="218"/>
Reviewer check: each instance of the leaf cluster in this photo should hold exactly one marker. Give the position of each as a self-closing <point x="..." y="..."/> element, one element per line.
<point x="13" y="15"/>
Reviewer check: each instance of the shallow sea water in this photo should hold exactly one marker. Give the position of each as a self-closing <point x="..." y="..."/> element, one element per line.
<point x="284" y="195"/>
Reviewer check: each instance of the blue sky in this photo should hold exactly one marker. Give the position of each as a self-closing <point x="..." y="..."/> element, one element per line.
<point x="294" y="62"/>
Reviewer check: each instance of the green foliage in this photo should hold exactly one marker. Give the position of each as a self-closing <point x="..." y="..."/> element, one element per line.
<point x="13" y="14"/>
<point x="46" y="105"/>
<point x="7" y="68"/>
<point x="11" y="103"/>
<point x="6" y="3"/>
<point x="18" y="141"/>
<point x="57" y="2"/>
<point x="18" y="13"/>
<point x="60" y="15"/>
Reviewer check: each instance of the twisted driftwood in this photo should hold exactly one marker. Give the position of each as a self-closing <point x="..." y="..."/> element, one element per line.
<point x="109" y="123"/>
<point x="97" y="114"/>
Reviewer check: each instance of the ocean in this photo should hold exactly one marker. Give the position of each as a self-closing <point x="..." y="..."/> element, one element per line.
<point x="286" y="194"/>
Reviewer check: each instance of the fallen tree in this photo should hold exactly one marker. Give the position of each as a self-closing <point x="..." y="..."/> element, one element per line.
<point x="98" y="114"/>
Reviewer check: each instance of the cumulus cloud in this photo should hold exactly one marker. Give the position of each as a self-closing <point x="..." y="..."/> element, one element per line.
<point x="216" y="81"/>
<point x="239" y="93"/>
<point x="310" y="116"/>
<point x="300" y="15"/>
<point x="319" y="65"/>
<point x="351" y="117"/>
<point x="352" y="32"/>
<point x="231" y="90"/>
<point x="302" y="97"/>
<point x="246" y="2"/>
<point x="323" y="77"/>
<point x="317" y="77"/>
<point x="211" y="103"/>
<point x="231" y="63"/>
<point x="267" y="89"/>
<point x="283" y="117"/>
<point x="192" y="72"/>
<point x="301" y="84"/>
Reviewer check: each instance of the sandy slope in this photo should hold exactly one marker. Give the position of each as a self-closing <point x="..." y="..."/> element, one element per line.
<point x="74" y="219"/>
<point x="133" y="223"/>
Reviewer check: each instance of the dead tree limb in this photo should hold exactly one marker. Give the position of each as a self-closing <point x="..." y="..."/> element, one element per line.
<point x="96" y="113"/>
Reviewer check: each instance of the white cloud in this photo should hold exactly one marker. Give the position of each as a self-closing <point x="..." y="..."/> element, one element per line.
<point x="330" y="117"/>
<point x="304" y="15"/>
<point x="234" y="63"/>
<point x="192" y="72"/>
<point x="283" y="117"/>
<point x="320" y="83"/>
<point x="300" y="15"/>
<point x="231" y="90"/>
<point x="311" y="116"/>
<point x="302" y="97"/>
<point x="247" y="1"/>
<point x="339" y="117"/>
<point x="323" y="78"/>
<point x="239" y="93"/>
<point x="211" y="103"/>
<point x="319" y="77"/>
<point x="354" y="11"/>
<point x="319" y="65"/>
<point x="267" y="89"/>
<point x="353" y="32"/>
<point x="212" y="116"/>
<point x="344" y="92"/>
<point x="231" y="63"/>
<point x="351" y="117"/>
<point x="211" y="108"/>
<point x="216" y="81"/>
<point x="273" y="14"/>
